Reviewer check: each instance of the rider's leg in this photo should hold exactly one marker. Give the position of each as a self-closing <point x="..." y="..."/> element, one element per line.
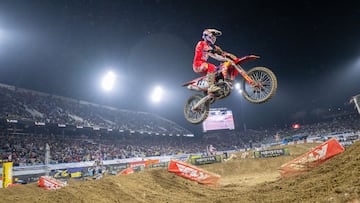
<point x="224" y="73"/>
<point x="225" y="67"/>
<point x="211" y="78"/>
<point x="200" y="67"/>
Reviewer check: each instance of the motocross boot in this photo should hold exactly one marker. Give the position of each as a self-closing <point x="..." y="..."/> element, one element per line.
<point x="211" y="80"/>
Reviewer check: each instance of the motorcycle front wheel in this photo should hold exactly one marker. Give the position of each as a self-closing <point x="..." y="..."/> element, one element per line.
<point x="264" y="87"/>
<point x="196" y="116"/>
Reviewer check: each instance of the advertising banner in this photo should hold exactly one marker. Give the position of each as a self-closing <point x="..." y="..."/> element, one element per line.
<point x="138" y="165"/>
<point x="75" y="172"/>
<point x="50" y="183"/>
<point x="311" y="159"/>
<point x="7" y="175"/>
<point x="126" y="171"/>
<point x="159" y="165"/>
<point x="193" y="173"/>
<point x="151" y="161"/>
<point x="271" y="153"/>
<point x="116" y="168"/>
<point x="67" y="173"/>
<point x="218" y="119"/>
<point x="182" y="157"/>
<point x="206" y="160"/>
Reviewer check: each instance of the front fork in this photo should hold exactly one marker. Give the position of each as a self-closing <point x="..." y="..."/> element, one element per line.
<point x="257" y="86"/>
<point x="244" y="74"/>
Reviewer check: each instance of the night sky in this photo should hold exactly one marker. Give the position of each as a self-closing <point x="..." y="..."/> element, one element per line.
<point x="64" y="47"/>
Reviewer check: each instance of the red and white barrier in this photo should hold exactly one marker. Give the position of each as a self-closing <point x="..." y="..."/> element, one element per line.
<point x="193" y="173"/>
<point x="126" y="171"/>
<point x="49" y="183"/>
<point x="312" y="158"/>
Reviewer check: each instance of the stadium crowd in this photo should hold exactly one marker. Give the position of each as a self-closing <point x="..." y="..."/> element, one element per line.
<point x="29" y="149"/>
<point x="23" y="104"/>
<point x="151" y="136"/>
<point x="347" y="122"/>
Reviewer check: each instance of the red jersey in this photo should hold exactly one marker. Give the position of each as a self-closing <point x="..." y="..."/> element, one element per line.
<point x="201" y="54"/>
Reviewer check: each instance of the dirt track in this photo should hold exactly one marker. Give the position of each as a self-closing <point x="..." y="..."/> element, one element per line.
<point x="243" y="180"/>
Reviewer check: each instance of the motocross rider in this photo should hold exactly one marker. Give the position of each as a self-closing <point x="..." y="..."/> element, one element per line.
<point x="205" y="48"/>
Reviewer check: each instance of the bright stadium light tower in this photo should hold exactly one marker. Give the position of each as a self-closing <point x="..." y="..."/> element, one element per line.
<point x="108" y="81"/>
<point x="1" y="35"/>
<point x="238" y="87"/>
<point x="157" y="94"/>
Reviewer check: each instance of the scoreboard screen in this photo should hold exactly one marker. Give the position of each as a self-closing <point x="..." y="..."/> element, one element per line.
<point x="218" y="119"/>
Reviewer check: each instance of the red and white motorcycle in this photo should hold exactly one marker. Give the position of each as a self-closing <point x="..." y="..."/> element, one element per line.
<point x="259" y="84"/>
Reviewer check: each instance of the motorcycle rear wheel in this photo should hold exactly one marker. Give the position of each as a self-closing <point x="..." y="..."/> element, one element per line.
<point x="266" y="85"/>
<point x="199" y="115"/>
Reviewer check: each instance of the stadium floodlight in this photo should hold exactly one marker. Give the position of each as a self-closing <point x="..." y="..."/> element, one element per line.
<point x="1" y="35"/>
<point x="157" y="94"/>
<point x="108" y="81"/>
<point x="238" y="87"/>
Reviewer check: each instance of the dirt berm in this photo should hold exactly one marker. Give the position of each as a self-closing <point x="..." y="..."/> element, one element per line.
<point x="243" y="180"/>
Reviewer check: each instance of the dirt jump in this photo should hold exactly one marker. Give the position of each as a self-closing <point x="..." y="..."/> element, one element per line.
<point x="242" y="180"/>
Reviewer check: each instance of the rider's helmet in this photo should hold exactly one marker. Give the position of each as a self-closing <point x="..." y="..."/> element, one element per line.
<point x="210" y="35"/>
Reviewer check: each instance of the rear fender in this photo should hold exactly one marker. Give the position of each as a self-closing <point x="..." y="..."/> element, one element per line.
<point x="194" y="81"/>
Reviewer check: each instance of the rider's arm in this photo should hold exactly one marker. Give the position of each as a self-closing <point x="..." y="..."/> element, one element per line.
<point x="216" y="53"/>
<point x="217" y="57"/>
<point x="215" y="50"/>
<point x="219" y="51"/>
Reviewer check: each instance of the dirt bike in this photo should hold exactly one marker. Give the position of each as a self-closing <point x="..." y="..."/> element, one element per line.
<point x="259" y="84"/>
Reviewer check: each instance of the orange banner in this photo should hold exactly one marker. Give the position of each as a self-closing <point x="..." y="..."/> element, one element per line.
<point x="151" y="161"/>
<point x="126" y="171"/>
<point x="137" y="163"/>
<point x="312" y="158"/>
<point x="193" y="173"/>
